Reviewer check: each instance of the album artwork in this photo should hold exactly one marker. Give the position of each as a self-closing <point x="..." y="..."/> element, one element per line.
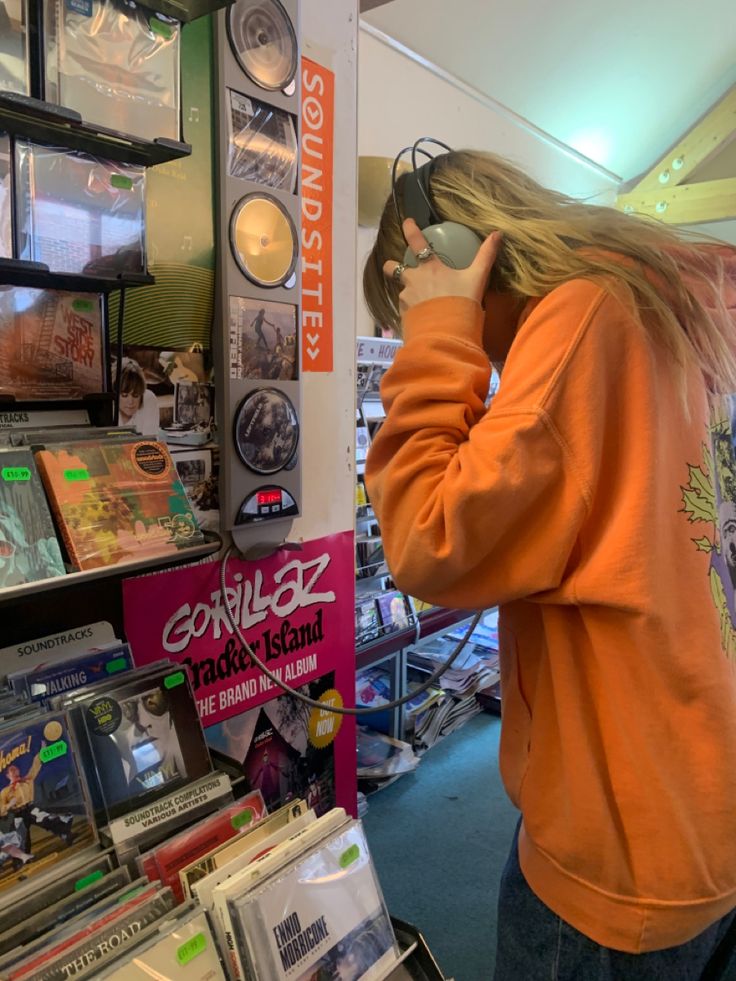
<point x="198" y="473"/>
<point x="262" y="145"/>
<point x="322" y="916"/>
<point x="114" y="63"/>
<point x="262" y="339"/>
<point x="14" y="46"/>
<point x="77" y="213"/>
<point x="393" y="612"/>
<point x="44" y="681"/>
<point x="29" y="549"/>
<point x="116" y="501"/>
<point x="44" y="813"/>
<point x="266" y="431"/>
<point x="6" y="196"/>
<point x="51" y="344"/>
<point x="194" y="404"/>
<point x="271" y="746"/>
<point x="142" y="739"/>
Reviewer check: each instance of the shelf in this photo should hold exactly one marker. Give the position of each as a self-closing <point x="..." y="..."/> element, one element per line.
<point x="187" y="10"/>
<point x="44" y="122"/>
<point x="210" y="547"/>
<point x="18" y="272"/>
<point x="430" y="622"/>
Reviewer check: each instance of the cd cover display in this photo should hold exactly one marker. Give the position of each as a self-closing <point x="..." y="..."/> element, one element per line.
<point x="78" y="213"/>
<point x="262" y="145"/>
<point x="51" y="344"/>
<point x="262" y="339"/>
<point x="29" y="550"/>
<point x="116" y="64"/>
<point x="323" y="916"/>
<point x="6" y="196"/>
<point x="263" y="240"/>
<point x="14" y="46"/>
<point x="271" y="746"/>
<point x="117" y="500"/>
<point x="264" y="42"/>
<point x="143" y="736"/>
<point x="266" y="431"/>
<point x="44" y="813"/>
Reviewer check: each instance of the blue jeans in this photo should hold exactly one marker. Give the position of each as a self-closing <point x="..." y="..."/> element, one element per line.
<point x="534" y="944"/>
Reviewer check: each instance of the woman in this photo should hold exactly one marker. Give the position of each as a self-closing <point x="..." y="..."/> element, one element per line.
<point x="138" y="404"/>
<point x="584" y="502"/>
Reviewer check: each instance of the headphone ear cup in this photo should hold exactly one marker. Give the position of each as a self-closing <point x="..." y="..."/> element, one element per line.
<point x="455" y="245"/>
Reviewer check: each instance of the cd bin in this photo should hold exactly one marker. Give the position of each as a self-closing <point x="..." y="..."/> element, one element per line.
<point x="258" y="410"/>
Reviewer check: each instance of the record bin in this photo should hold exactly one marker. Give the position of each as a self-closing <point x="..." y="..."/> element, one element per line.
<point x="417" y="962"/>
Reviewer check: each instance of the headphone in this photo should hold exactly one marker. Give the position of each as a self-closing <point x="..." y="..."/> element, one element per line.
<point x="454" y="244"/>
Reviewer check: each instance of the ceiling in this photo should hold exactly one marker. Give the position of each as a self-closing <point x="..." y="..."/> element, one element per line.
<point x="620" y="83"/>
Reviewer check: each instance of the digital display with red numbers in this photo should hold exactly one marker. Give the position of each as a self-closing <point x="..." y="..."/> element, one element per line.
<point x="268" y="497"/>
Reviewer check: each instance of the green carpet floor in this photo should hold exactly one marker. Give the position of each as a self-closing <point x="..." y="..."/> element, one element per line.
<point x="439" y="838"/>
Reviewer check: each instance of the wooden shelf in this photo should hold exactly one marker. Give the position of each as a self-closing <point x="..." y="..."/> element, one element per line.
<point x="29" y="589"/>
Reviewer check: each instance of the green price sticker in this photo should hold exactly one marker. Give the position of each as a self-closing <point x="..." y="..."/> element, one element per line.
<point x="245" y="817"/>
<point x="131" y="894"/>
<point x="174" y="680"/>
<point x="121" y="181"/>
<point x="88" y="880"/>
<point x="85" y="305"/>
<point x="53" y="752"/>
<point x="191" y="949"/>
<point x="349" y="856"/>
<point x="158" y="27"/>
<point x="15" y="473"/>
<point x="117" y="664"/>
<point x="79" y="474"/>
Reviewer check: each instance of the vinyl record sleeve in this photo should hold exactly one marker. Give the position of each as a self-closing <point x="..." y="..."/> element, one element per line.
<point x="6" y="197"/>
<point x="255" y="873"/>
<point x="51" y="344"/>
<point x="45" y="815"/>
<point x="263" y="239"/>
<point x="116" y="64"/>
<point x="264" y="42"/>
<point x="142" y="739"/>
<point x="324" y="915"/>
<point x="78" y="213"/>
<point x="262" y="143"/>
<point x="29" y="550"/>
<point x="116" y="501"/>
<point x="182" y="950"/>
<point x="165" y="861"/>
<point x="14" y="46"/>
<point x="263" y="339"/>
<point x="47" y="680"/>
<point x="266" y="430"/>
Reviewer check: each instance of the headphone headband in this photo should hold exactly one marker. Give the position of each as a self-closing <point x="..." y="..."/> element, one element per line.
<point x="416" y="196"/>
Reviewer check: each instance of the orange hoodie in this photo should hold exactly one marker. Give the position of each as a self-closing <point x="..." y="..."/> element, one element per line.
<point x="584" y="503"/>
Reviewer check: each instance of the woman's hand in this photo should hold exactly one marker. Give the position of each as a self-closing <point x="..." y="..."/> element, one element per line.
<point x="432" y="278"/>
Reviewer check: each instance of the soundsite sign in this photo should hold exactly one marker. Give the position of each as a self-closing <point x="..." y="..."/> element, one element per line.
<point x="317" y="124"/>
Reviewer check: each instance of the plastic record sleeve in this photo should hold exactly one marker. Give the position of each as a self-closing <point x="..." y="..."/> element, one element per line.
<point x="263" y="240"/>
<point x="266" y="431"/>
<point x="6" y="197"/>
<point x="13" y="46"/>
<point x="264" y="42"/>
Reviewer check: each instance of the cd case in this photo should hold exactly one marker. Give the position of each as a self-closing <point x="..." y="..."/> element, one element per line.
<point x="14" y="46"/>
<point x="266" y="431"/>
<point x="6" y="197"/>
<point x="51" y="344"/>
<point x="262" y="339"/>
<point x="262" y="144"/>
<point x="264" y="42"/>
<point x="45" y="815"/>
<point x="116" y="64"/>
<point x="116" y="501"/>
<point x="45" y="681"/>
<point x="77" y="213"/>
<point x="142" y="738"/>
<point x="29" y="550"/>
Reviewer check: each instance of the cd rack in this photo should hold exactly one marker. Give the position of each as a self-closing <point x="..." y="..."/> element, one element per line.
<point x="257" y="306"/>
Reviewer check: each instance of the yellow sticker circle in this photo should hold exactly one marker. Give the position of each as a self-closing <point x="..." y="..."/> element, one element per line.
<point x="323" y="724"/>
<point x="52" y="731"/>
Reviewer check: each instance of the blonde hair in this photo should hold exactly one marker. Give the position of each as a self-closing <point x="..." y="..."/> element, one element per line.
<point x="549" y="239"/>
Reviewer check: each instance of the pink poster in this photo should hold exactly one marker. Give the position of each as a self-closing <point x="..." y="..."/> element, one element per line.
<point x="296" y="610"/>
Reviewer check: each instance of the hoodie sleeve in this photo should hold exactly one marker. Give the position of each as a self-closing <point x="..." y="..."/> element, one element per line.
<point x="476" y="507"/>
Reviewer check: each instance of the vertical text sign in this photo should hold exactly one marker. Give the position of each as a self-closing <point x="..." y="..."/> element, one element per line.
<point x="318" y="89"/>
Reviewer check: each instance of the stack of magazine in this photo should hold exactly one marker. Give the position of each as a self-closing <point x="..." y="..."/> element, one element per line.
<point x="124" y="854"/>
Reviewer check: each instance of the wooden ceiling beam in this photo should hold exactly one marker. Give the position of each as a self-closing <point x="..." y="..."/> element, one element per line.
<point x="688" y="204"/>
<point x="699" y="144"/>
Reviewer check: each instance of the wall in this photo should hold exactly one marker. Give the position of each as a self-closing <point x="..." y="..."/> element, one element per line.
<point x="400" y="100"/>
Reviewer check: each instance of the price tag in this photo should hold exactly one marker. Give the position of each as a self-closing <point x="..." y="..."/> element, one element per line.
<point x="15" y="473"/>
<point x="174" y="680"/>
<point x="348" y="857"/>
<point x="191" y="949"/>
<point x="245" y="817"/>
<point x="88" y="880"/>
<point x="53" y="752"/>
<point x="79" y="474"/>
<point x="117" y="664"/>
